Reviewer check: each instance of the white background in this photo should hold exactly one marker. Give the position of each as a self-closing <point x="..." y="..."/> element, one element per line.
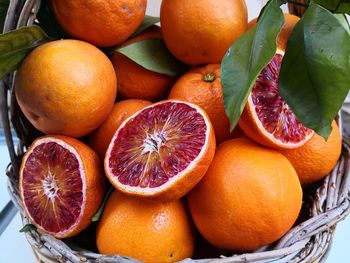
<point x="14" y="248"/>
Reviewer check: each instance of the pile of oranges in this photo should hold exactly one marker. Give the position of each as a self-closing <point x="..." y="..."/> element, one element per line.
<point x="245" y="194"/>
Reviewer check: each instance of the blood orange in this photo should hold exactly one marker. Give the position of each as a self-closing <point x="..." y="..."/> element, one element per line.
<point x="61" y="185"/>
<point x="266" y="118"/>
<point x="161" y="151"/>
<point x="100" y="138"/>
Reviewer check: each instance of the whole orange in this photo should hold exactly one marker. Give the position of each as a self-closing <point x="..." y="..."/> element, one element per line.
<point x="101" y="22"/>
<point x="136" y="82"/>
<point x="66" y="87"/>
<point x="316" y="159"/>
<point x="100" y="139"/>
<point x="289" y="24"/>
<point x="202" y="86"/>
<point x="200" y="32"/>
<point x="250" y="197"/>
<point x="147" y="231"/>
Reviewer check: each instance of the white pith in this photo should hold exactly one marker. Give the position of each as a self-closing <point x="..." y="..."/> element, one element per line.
<point x="275" y="140"/>
<point x="149" y="146"/>
<point x="172" y="180"/>
<point x="50" y="186"/>
<point x="82" y="176"/>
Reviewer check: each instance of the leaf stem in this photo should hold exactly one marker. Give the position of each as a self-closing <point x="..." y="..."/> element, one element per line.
<point x="209" y="77"/>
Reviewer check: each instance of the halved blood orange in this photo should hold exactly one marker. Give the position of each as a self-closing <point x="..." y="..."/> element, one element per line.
<point x="162" y="151"/>
<point x="266" y="118"/>
<point x="61" y="185"/>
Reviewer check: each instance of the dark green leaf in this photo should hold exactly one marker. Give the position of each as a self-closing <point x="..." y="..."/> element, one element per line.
<point x="99" y="212"/>
<point x="4" y="5"/>
<point x="48" y="22"/>
<point x="15" y="45"/>
<point x="152" y="54"/>
<point x="147" y="22"/>
<point x="247" y="57"/>
<point x="27" y="228"/>
<point x="315" y="72"/>
<point x="335" y="6"/>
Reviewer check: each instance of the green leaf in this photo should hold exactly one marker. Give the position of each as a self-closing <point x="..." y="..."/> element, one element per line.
<point x="15" y="45"/>
<point x="27" y="228"/>
<point x="343" y="21"/>
<point x="147" y="22"/>
<point x="335" y="6"/>
<point x="4" y="5"/>
<point x="315" y="73"/>
<point x="152" y="54"/>
<point x="47" y="21"/>
<point x="99" y="212"/>
<point x="247" y="56"/>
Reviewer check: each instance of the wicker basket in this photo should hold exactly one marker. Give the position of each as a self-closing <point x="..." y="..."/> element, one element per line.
<point x="308" y="242"/>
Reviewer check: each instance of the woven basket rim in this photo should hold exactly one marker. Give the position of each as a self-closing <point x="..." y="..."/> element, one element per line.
<point x="307" y="242"/>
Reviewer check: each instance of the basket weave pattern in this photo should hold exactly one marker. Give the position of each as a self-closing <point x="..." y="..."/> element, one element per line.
<point x="308" y="242"/>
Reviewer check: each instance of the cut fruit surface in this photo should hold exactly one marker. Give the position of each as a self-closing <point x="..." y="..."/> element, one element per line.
<point x="100" y="138"/>
<point x="161" y="151"/>
<point x="61" y="185"/>
<point x="267" y="118"/>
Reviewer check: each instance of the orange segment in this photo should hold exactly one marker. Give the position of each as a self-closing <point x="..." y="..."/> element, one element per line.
<point x="162" y="150"/>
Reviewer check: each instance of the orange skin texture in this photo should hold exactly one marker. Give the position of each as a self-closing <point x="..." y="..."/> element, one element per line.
<point x="66" y="87"/>
<point x="250" y="197"/>
<point x="200" y="32"/>
<point x="100" y="139"/>
<point x="317" y="158"/>
<point x="103" y="23"/>
<point x="187" y="181"/>
<point x="150" y="232"/>
<point x="94" y="179"/>
<point x="289" y="24"/>
<point x="136" y="82"/>
<point x="192" y="87"/>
